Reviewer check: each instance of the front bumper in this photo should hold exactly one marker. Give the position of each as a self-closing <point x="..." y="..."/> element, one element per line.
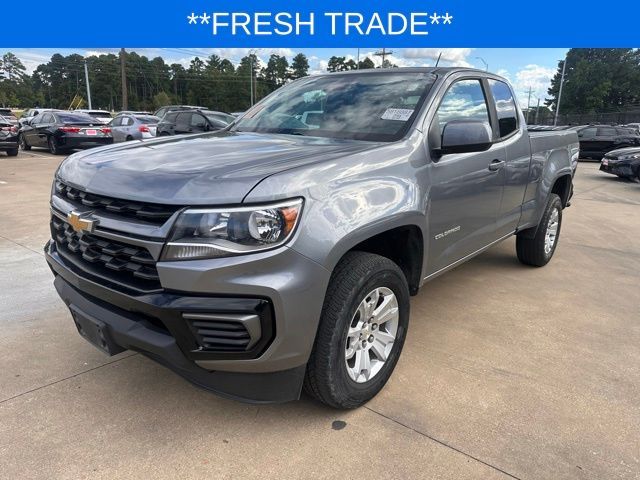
<point x="154" y="324"/>
<point x="617" y="168"/>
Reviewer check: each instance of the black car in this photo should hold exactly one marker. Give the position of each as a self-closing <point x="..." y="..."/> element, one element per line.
<point x="8" y="136"/>
<point x="162" y="111"/>
<point x="60" y="131"/>
<point x="596" y="140"/>
<point x="27" y="115"/>
<point x="624" y="163"/>
<point x="193" y="121"/>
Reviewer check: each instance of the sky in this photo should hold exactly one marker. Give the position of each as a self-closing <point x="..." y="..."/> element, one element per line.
<point x="524" y="68"/>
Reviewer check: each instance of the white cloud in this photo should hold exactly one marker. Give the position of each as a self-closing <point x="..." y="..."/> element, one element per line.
<point x="450" y="56"/>
<point x="536" y="77"/>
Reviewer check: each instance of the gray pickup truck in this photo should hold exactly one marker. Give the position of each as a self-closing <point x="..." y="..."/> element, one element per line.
<point x="281" y="253"/>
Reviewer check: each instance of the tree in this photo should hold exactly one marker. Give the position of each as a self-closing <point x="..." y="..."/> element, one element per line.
<point x="366" y="63"/>
<point x="299" y="66"/>
<point x="11" y="67"/>
<point x="161" y="99"/>
<point x="596" y="80"/>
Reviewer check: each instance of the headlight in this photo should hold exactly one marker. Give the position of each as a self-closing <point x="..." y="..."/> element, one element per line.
<point x="224" y="232"/>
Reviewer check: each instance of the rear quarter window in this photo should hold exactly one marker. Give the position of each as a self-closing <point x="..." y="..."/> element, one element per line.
<point x="505" y="108"/>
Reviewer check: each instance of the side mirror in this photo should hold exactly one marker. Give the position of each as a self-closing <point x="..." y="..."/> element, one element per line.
<point x="464" y="136"/>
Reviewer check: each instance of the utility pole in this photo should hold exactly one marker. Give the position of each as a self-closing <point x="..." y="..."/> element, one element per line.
<point x="537" y="111"/>
<point x="123" y="68"/>
<point x="564" y="66"/>
<point x="358" y="61"/>
<point x="86" y="77"/>
<point x="383" y="53"/>
<point x="529" y="104"/>
<point x="251" y="76"/>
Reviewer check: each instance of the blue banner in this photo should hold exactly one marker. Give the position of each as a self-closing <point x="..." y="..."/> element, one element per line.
<point x="320" y="23"/>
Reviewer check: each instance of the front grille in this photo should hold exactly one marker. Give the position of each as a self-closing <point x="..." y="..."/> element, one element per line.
<point x="120" y="263"/>
<point x="224" y="332"/>
<point x="149" y="212"/>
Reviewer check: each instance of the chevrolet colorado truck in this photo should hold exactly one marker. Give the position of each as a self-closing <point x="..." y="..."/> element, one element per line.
<point x="281" y="252"/>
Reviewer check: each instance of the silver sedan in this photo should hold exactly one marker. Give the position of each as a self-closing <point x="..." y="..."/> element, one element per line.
<point x="133" y="127"/>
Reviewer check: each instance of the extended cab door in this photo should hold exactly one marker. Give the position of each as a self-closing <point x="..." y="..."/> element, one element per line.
<point x="514" y="137"/>
<point x="466" y="188"/>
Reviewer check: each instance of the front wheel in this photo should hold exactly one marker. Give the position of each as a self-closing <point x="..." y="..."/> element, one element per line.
<point x="13" y="152"/>
<point x="539" y="249"/>
<point x="361" y="333"/>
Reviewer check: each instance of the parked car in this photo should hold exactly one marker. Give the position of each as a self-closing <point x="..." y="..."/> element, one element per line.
<point x="133" y="127"/>
<point x="133" y="112"/>
<point x="8" y="136"/>
<point x="634" y="126"/>
<point x="278" y="255"/>
<point x="625" y="163"/>
<point x="102" y="115"/>
<point x="9" y="116"/>
<point x="27" y="115"/>
<point x="193" y="121"/>
<point x="596" y="140"/>
<point x="60" y="131"/>
<point x="162" y="111"/>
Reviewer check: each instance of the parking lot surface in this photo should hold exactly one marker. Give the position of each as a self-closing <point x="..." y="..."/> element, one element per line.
<point x="508" y="371"/>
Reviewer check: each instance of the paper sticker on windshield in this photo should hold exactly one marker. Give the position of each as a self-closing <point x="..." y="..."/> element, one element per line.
<point x="402" y="114"/>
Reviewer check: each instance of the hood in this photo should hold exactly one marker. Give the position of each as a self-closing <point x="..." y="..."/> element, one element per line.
<point x="212" y="168"/>
<point x="622" y="151"/>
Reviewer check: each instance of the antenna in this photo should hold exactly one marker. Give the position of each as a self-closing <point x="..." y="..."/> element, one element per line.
<point x="438" y="61"/>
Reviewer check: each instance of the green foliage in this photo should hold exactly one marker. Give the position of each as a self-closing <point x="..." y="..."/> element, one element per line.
<point x="597" y="80"/>
<point x="212" y="82"/>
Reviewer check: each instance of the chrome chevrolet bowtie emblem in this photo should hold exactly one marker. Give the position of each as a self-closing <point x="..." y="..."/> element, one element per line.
<point x="79" y="224"/>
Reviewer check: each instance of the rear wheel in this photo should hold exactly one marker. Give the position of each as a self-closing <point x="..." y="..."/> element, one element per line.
<point x="22" y="141"/>
<point x="539" y="249"/>
<point x="129" y="138"/>
<point x="53" y="146"/>
<point x="13" y="152"/>
<point x="361" y="333"/>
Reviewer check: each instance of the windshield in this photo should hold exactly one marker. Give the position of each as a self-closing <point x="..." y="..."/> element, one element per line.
<point x="100" y="114"/>
<point x="371" y="106"/>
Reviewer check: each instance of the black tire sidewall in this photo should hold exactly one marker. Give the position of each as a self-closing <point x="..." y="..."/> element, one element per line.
<point x="22" y="143"/>
<point x="53" y="148"/>
<point x="358" y="393"/>
<point x="554" y="203"/>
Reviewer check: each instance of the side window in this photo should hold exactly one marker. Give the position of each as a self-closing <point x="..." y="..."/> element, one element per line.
<point x="198" y="121"/>
<point x="116" y="122"/>
<point x="47" y="118"/>
<point x="587" y="133"/>
<point x="606" y="131"/>
<point x="37" y="119"/>
<point x="183" y="119"/>
<point x="170" y="117"/>
<point x="463" y="101"/>
<point x="505" y="107"/>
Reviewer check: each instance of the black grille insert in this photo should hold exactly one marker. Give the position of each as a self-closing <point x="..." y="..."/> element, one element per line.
<point x="224" y="332"/>
<point x="121" y="263"/>
<point x="149" y="212"/>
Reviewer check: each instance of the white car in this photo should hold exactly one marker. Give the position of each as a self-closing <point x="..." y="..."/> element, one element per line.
<point x="102" y="116"/>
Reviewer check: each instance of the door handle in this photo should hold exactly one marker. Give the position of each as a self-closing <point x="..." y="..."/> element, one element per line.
<point x="496" y="165"/>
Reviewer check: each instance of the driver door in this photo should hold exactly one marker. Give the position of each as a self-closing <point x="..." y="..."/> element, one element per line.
<point x="466" y="188"/>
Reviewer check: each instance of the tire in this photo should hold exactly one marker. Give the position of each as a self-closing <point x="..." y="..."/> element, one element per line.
<point x="22" y="142"/>
<point x="128" y="139"/>
<point x="13" y="152"/>
<point x="332" y="364"/>
<point x="537" y="251"/>
<point x="53" y="146"/>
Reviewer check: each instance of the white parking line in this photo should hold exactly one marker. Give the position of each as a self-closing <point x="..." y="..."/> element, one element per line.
<point x="37" y="154"/>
